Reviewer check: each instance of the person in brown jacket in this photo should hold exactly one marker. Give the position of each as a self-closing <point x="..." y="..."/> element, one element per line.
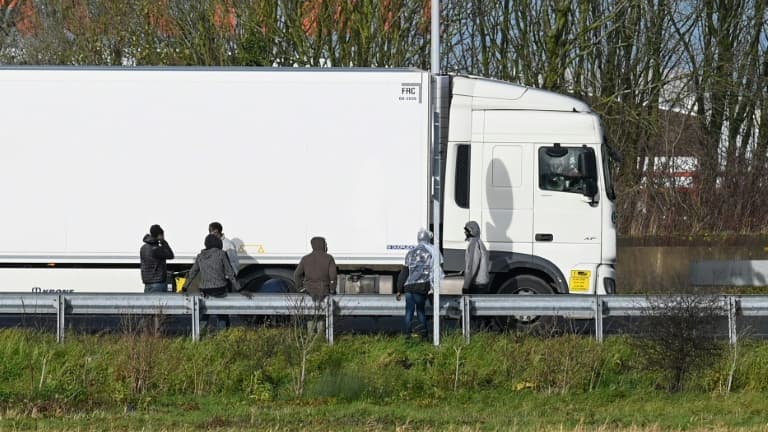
<point x="316" y="273"/>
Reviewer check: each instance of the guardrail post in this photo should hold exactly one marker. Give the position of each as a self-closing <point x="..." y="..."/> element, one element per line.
<point x="466" y="322"/>
<point x="732" y="333"/>
<point x="61" y="310"/>
<point x="599" y="318"/>
<point x="195" y="318"/>
<point x="330" y="304"/>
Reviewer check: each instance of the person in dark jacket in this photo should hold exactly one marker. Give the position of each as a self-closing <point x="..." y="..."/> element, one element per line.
<point x="415" y="280"/>
<point x="212" y="265"/>
<point x="476" y="261"/>
<point x="153" y="255"/>
<point x="316" y="275"/>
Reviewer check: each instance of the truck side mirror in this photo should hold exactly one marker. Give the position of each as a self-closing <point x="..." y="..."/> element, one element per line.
<point x="590" y="188"/>
<point x="588" y="165"/>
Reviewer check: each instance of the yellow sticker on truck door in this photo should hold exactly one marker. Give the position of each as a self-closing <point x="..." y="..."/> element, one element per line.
<point x="579" y="281"/>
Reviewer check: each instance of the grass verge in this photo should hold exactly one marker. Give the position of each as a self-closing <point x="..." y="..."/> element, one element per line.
<point x="243" y="380"/>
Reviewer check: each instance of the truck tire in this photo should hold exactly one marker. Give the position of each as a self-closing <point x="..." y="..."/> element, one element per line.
<point x="269" y="280"/>
<point x="264" y="281"/>
<point x="526" y="285"/>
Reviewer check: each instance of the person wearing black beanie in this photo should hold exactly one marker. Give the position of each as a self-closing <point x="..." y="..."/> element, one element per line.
<point x="213" y="242"/>
<point x="156" y="231"/>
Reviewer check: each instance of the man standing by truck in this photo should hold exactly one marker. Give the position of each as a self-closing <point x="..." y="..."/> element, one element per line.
<point x="476" y="262"/>
<point x="153" y="255"/>
<point x="316" y="275"/>
<point x="415" y="280"/>
<point x="216" y="229"/>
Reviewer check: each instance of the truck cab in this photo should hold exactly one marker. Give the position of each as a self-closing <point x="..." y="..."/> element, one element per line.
<point x="531" y="167"/>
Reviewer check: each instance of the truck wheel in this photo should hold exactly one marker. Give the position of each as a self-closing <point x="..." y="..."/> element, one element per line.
<point x="271" y="280"/>
<point x="525" y="285"/>
<point x="274" y="280"/>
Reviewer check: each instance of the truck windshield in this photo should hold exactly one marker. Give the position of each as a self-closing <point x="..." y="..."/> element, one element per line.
<point x="607" y="172"/>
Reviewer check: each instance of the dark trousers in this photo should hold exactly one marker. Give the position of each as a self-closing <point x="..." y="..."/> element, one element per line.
<point x="212" y="321"/>
<point x="415" y="302"/>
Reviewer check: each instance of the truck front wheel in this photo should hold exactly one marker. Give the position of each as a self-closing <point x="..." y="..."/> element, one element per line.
<point x="525" y="285"/>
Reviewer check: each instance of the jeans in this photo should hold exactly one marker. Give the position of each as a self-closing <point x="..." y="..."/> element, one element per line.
<point x="415" y="302"/>
<point x="157" y="287"/>
<point x="212" y="321"/>
<point x="153" y="325"/>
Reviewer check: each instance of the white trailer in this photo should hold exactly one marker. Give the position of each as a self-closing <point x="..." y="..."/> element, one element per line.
<point x="91" y="157"/>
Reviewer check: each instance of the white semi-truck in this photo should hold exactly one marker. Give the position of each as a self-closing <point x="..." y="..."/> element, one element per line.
<point x="91" y="157"/>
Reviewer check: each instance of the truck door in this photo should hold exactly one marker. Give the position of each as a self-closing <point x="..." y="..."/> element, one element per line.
<point x="507" y="209"/>
<point x="567" y="216"/>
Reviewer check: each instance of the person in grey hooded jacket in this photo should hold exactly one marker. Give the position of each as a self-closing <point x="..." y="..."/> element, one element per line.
<point x="415" y="280"/>
<point x="212" y="265"/>
<point x="476" y="261"/>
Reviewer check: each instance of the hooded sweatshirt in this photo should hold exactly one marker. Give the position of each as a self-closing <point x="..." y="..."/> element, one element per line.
<point x="418" y="263"/>
<point x="153" y="254"/>
<point x="317" y="271"/>
<point x="212" y="265"/>
<point x="476" y="261"/>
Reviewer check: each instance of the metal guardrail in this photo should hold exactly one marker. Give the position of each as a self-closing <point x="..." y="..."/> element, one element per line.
<point x="461" y="307"/>
<point x="752" y="305"/>
<point x="573" y="306"/>
<point x="35" y="304"/>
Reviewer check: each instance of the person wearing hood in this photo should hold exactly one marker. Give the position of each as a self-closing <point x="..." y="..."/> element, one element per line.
<point x="415" y="280"/>
<point x="316" y="275"/>
<point x="153" y="255"/>
<point x="476" y="261"/>
<point x="212" y="265"/>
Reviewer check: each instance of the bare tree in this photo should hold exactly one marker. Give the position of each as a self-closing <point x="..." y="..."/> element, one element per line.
<point x="306" y="328"/>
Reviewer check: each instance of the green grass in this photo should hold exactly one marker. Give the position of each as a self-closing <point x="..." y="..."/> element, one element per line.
<point x="245" y="379"/>
<point x="464" y="411"/>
